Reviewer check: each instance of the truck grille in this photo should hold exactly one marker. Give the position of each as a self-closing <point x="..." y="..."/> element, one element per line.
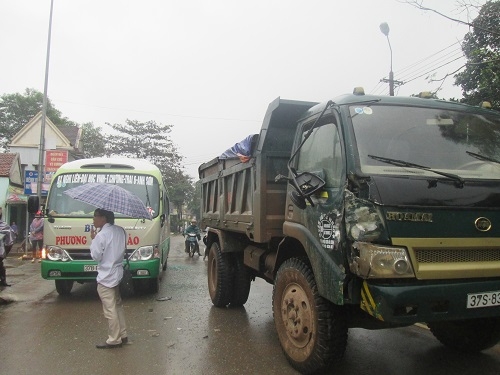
<point x="457" y="255"/>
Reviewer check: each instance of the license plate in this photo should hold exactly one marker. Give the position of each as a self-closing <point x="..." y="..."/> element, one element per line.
<point x="92" y="268"/>
<point x="486" y="299"/>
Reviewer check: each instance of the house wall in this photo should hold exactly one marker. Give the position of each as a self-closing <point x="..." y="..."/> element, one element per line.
<point x="28" y="156"/>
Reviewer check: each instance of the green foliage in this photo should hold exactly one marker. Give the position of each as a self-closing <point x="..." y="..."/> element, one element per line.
<point x="93" y="140"/>
<point x="151" y="141"/>
<point x="16" y="110"/>
<point x="480" y="79"/>
<point x="145" y="140"/>
<point x="194" y="205"/>
<point x="181" y="190"/>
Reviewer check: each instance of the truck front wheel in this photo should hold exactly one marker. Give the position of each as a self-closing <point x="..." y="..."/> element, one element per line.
<point x="219" y="276"/>
<point x="472" y="335"/>
<point x="311" y="330"/>
<point x="64" y="287"/>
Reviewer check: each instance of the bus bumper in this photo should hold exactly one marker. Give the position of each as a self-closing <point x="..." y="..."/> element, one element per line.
<point x="86" y="270"/>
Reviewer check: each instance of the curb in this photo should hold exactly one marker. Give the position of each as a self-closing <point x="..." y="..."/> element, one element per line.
<point x="31" y="289"/>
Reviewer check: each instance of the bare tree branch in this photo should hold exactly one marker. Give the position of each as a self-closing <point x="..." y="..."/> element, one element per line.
<point x="419" y="5"/>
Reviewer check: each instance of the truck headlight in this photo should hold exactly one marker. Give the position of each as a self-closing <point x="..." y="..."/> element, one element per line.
<point x="142" y="253"/>
<point x="376" y="261"/>
<point x="57" y="253"/>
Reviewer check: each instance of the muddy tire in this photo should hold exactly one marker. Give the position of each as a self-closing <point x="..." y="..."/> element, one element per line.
<point x="219" y="276"/>
<point x="472" y="335"/>
<point x="241" y="281"/>
<point x="311" y="330"/>
<point x="64" y="287"/>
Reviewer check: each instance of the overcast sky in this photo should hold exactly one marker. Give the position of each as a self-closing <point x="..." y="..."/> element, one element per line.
<point x="211" y="68"/>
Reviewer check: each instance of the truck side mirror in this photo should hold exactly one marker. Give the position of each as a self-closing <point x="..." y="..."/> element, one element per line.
<point x="305" y="185"/>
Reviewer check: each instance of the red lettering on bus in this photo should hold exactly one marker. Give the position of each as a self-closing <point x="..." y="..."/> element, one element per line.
<point x="71" y="240"/>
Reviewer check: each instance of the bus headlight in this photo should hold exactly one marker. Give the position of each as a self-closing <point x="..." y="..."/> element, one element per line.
<point x="57" y="253"/>
<point x="376" y="261"/>
<point x="142" y="253"/>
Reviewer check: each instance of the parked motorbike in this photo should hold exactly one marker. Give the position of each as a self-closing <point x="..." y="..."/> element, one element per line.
<point x="193" y="247"/>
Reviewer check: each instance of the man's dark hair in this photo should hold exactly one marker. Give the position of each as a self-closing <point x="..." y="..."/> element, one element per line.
<point x="109" y="215"/>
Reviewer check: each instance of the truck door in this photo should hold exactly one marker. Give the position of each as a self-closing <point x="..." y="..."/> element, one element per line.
<point x="322" y="154"/>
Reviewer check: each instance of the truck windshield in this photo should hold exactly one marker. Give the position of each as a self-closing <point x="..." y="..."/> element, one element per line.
<point x="59" y="204"/>
<point x="456" y="142"/>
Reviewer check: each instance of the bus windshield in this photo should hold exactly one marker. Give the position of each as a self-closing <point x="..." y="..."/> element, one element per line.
<point x="452" y="141"/>
<point x="146" y="187"/>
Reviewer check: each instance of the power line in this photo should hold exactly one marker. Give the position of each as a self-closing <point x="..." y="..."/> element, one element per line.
<point x="425" y="66"/>
<point x="156" y="113"/>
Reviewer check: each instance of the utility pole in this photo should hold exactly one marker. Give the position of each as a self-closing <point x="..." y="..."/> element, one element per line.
<point x="44" y="112"/>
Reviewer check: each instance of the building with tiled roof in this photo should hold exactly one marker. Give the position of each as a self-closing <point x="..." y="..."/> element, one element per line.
<point x="12" y="198"/>
<point x="63" y="141"/>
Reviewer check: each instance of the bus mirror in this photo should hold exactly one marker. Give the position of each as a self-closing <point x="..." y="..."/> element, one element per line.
<point x="33" y="204"/>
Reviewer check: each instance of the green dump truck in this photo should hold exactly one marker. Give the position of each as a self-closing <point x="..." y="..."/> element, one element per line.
<point x="364" y="211"/>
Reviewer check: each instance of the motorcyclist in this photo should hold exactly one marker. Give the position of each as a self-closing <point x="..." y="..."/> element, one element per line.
<point x="192" y="228"/>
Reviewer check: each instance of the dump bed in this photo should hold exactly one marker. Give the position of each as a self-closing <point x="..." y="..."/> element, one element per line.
<point x="243" y="196"/>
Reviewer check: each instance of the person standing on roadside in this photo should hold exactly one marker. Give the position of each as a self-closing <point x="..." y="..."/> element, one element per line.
<point x="36" y="236"/>
<point x="7" y="238"/>
<point x="107" y="249"/>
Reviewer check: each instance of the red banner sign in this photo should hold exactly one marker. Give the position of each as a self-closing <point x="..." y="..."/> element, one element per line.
<point x="54" y="159"/>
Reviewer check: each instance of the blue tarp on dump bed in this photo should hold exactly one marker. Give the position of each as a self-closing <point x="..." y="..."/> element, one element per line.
<point x="242" y="149"/>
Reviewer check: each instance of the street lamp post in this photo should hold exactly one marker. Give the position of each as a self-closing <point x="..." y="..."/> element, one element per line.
<point x="384" y="27"/>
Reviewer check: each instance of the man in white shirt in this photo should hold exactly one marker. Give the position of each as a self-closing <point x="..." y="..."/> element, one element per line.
<point x="107" y="248"/>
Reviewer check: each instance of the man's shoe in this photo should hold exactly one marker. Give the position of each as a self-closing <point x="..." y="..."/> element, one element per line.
<point x="4" y="283"/>
<point x="105" y="345"/>
<point x="124" y="340"/>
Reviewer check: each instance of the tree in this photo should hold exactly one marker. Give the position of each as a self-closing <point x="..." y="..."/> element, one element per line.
<point x="194" y="205"/>
<point x="180" y="191"/>
<point x="94" y="143"/>
<point x="151" y="141"/>
<point x="480" y="79"/>
<point x="16" y="110"/>
<point x="481" y="46"/>
<point x="145" y="140"/>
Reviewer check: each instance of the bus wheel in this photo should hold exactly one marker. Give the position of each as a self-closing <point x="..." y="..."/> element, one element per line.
<point x="471" y="336"/>
<point x="219" y="276"/>
<point x="64" y="287"/>
<point x="241" y="282"/>
<point x="311" y="330"/>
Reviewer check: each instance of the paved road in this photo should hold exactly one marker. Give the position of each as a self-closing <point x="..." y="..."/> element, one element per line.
<point x="186" y="335"/>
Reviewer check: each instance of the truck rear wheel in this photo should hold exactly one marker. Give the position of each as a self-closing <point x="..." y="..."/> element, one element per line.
<point x="219" y="276"/>
<point x="312" y="331"/>
<point x="241" y="282"/>
<point x="472" y="335"/>
<point x="64" y="287"/>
